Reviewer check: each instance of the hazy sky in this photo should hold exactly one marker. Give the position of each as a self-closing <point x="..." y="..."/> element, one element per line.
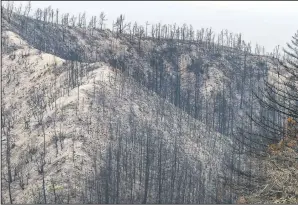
<point x="268" y="23"/>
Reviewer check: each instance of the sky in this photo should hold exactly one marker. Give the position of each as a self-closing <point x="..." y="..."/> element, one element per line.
<point x="268" y="23"/>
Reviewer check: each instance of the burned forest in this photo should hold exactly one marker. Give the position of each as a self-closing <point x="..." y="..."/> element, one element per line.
<point x="143" y="113"/>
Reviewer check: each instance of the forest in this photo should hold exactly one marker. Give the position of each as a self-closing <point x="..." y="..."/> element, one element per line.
<point x="147" y="113"/>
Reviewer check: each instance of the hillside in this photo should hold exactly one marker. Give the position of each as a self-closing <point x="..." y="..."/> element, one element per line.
<point x="96" y="116"/>
<point x="211" y="82"/>
<point x="74" y="130"/>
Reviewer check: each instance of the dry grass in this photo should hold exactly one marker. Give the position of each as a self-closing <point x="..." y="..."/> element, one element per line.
<point x="281" y="185"/>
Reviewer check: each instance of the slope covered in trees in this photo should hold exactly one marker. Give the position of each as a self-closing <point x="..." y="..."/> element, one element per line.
<point x="210" y="78"/>
<point x="107" y="125"/>
<point x="139" y="114"/>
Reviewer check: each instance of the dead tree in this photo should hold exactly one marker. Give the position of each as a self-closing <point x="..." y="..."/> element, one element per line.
<point x="7" y="123"/>
<point x="120" y="25"/>
<point x="37" y="102"/>
<point x="9" y="9"/>
<point x="102" y="19"/>
<point x="73" y="20"/>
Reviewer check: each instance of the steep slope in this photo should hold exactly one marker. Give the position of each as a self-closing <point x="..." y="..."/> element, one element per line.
<point x="211" y="82"/>
<point x="85" y="124"/>
<point x="118" y="110"/>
